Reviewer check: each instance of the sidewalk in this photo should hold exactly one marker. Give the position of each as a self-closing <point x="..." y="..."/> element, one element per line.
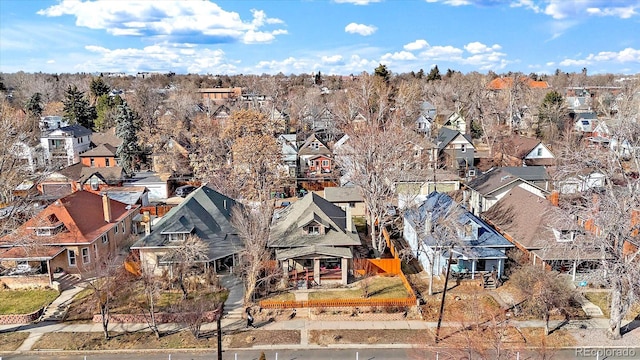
<point x="232" y="321"/>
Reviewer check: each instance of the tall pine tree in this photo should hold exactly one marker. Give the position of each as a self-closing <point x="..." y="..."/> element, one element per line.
<point x="129" y="153"/>
<point x="77" y="108"/>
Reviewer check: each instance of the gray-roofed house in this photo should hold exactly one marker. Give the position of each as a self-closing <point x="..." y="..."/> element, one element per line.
<point x="478" y="247"/>
<point x="314" y="237"/>
<point x="455" y="150"/>
<point x="65" y="144"/>
<point x="205" y="213"/>
<point x="485" y="190"/>
<point x="346" y="197"/>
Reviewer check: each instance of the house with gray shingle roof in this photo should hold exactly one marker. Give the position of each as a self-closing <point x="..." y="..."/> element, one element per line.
<point x="478" y="248"/>
<point x="455" y="150"/>
<point x="346" y="196"/>
<point x="314" y="237"/>
<point x="205" y="213"/>
<point x="485" y="190"/>
<point x="65" y="144"/>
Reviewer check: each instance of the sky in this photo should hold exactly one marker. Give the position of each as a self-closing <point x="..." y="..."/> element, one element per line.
<point x="338" y="37"/>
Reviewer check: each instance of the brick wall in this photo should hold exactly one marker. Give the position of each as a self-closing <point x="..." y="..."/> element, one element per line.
<point x="26" y="281"/>
<point x="20" y="318"/>
<point x="161" y="318"/>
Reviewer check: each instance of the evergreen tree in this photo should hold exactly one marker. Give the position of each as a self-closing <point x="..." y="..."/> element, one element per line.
<point x="420" y="74"/>
<point x="106" y="107"/>
<point x="383" y="72"/>
<point x="434" y="74"/>
<point x="77" y="109"/>
<point x="2" y="86"/>
<point x="98" y="87"/>
<point x="318" y="79"/>
<point x="34" y="107"/>
<point x="129" y="152"/>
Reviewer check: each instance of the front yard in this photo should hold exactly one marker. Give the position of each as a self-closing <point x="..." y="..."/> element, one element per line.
<point x="602" y="299"/>
<point x="375" y="287"/>
<point x="25" y="301"/>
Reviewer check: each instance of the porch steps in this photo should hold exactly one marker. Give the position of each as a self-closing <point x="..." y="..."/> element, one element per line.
<point x="57" y="310"/>
<point x="233" y="307"/>
<point x="490" y="283"/>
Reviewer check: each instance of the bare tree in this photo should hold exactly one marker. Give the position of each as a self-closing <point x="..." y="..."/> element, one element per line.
<point x="611" y="210"/>
<point x="152" y="288"/>
<point x="184" y="257"/>
<point x="253" y="229"/>
<point x="544" y="291"/>
<point x="375" y="159"/>
<point x="107" y="282"/>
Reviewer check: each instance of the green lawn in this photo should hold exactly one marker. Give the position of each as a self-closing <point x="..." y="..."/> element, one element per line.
<point x="379" y="287"/>
<point x="25" y="301"/>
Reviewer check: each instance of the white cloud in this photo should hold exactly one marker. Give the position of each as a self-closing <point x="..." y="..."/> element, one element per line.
<point x="624" y="56"/>
<point x="193" y="21"/>
<point x="400" y="56"/>
<point x="478" y="47"/>
<point x="357" y="2"/>
<point x="416" y="45"/>
<point x="527" y="4"/>
<point x="51" y="61"/>
<point x="361" y="29"/>
<point x="334" y="59"/>
<point x="159" y="57"/>
<point x="621" y="12"/>
<point x="448" y="53"/>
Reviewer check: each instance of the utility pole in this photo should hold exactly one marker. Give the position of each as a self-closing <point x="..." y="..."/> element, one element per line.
<point x="218" y="323"/>
<point x="444" y="294"/>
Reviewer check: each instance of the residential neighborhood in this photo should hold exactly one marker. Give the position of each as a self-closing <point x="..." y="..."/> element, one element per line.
<point x="231" y="212"/>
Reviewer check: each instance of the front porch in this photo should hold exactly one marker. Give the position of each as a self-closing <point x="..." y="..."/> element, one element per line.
<point x="315" y="265"/>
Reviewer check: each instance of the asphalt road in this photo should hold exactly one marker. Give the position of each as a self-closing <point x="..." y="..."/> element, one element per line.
<point x="326" y="354"/>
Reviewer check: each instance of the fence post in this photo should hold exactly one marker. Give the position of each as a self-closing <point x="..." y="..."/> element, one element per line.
<point x="357" y="355"/>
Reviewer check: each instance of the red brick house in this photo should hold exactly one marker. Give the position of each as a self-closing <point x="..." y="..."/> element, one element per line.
<point x="72" y="235"/>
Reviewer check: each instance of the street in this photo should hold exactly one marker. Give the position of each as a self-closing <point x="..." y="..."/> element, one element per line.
<point x="329" y="354"/>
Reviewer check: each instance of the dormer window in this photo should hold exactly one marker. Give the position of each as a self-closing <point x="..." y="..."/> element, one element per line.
<point x="51" y="227"/>
<point x="177" y="236"/>
<point x="564" y="235"/>
<point x="313" y="230"/>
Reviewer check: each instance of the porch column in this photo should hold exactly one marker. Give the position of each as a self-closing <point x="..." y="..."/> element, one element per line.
<point x="473" y="269"/>
<point x="316" y="270"/>
<point x="285" y="272"/>
<point x="345" y="271"/>
<point x="500" y="265"/>
<point x="573" y="272"/>
<point x="534" y="259"/>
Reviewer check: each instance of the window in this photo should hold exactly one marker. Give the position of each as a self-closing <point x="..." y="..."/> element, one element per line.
<point x="463" y="148"/>
<point x="314" y="230"/>
<point x="325" y="163"/>
<point x="93" y="162"/>
<point x="106" y="162"/>
<point x="71" y="255"/>
<point x="115" y="229"/>
<point x="122" y="228"/>
<point x="85" y="256"/>
<point x="352" y="204"/>
<point x="539" y="152"/>
<point x="314" y="145"/>
<point x="105" y="238"/>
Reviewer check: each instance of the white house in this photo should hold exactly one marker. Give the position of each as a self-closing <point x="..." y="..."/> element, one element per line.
<point x="65" y="144"/>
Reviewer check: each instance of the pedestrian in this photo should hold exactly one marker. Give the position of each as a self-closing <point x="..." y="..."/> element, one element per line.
<point x="250" y="321"/>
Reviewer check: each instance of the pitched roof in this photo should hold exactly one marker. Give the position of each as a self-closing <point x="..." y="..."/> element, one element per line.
<point x="519" y="146"/>
<point x="528" y="219"/>
<point x="82" y="215"/>
<point x="497" y="178"/>
<point x="106" y="137"/>
<point x="305" y="148"/>
<point x="32" y="253"/>
<point x="343" y="194"/>
<point x="205" y="213"/>
<point x="502" y="83"/>
<point x="446" y="135"/>
<point x="102" y="150"/>
<point x="286" y="229"/>
<point x="437" y="206"/>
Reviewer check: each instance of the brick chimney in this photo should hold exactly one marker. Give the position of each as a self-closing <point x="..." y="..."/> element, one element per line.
<point x="106" y="208"/>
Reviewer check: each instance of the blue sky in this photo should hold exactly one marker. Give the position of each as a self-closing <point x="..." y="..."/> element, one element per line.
<point x="331" y="36"/>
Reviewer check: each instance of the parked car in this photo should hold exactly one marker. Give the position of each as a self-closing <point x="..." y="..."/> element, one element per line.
<point x="185" y="190"/>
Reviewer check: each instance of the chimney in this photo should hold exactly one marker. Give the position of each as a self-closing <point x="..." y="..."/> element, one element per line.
<point x="106" y="208"/>
<point x="347" y="213"/>
<point x="146" y="218"/>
